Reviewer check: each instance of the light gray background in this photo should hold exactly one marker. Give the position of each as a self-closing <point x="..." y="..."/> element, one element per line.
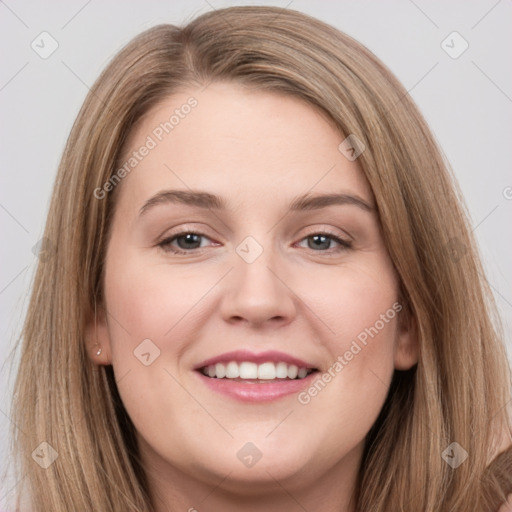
<point x="467" y="102"/>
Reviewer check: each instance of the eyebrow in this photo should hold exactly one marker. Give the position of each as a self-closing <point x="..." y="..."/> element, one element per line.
<point x="210" y="201"/>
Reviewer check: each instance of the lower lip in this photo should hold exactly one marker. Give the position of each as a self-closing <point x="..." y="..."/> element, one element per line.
<point x="262" y="391"/>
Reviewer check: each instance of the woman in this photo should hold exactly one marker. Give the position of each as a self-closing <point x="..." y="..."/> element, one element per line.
<point x="327" y="345"/>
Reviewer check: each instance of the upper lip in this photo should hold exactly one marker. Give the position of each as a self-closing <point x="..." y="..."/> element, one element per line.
<point x="273" y="356"/>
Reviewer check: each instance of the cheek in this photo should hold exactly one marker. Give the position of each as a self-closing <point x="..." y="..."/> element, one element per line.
<point x="151" y="317"/>
<point x="356" y="301"/>
<point x="151" y="302"/>
<point x="359" y="305"/>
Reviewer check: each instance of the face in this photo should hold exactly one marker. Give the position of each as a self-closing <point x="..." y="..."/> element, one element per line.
<point x="252" y="327"/>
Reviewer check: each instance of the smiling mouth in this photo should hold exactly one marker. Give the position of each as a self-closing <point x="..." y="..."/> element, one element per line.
<point x="247" y="371"/>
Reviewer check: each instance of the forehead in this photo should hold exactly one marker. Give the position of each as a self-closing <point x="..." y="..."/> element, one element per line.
<point x="246" y="145"/>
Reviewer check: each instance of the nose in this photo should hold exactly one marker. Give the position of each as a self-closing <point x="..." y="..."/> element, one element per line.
<point x="257" y="293"/>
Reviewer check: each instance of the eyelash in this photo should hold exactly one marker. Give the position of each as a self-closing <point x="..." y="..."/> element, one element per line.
<point x="167" y="247"/>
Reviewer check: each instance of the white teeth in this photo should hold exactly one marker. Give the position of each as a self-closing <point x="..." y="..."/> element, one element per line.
<point x="302" y="373"/>
<point x="220" y="370"/>
<point x="281" y="370"/>
<point x="267" y="371"/>
<point x="232" y="371"/>
<point x="250" y="370"/>
<point x="292" y="371"/>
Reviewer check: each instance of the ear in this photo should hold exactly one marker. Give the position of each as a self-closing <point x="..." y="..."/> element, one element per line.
<point x="406" y="343"/>
<point x="97" y="337"/>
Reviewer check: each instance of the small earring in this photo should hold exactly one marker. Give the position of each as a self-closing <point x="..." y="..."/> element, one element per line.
<point x="98" y="352"/>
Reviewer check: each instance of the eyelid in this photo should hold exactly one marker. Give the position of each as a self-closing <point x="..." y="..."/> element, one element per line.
<point x="335" y="232"/>
<point x="315" y="229"/>
<point x="184" y="229"/>
<point x="343" y="243"/>
<point x="165" y="240"/>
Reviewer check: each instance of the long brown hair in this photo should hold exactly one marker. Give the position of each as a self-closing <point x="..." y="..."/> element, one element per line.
<point x="457" y="392"/>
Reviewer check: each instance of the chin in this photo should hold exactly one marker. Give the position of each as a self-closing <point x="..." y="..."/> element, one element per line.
<point x="256" y="465"/>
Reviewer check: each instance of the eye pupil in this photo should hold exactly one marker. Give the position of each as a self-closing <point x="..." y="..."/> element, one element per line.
<point x="188" y="242"/>
<point x="324" y="241"/>
<point x="190" y="238"/>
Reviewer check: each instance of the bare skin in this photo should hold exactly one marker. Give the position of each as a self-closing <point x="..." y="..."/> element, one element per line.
<point x="309" y="298"/>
